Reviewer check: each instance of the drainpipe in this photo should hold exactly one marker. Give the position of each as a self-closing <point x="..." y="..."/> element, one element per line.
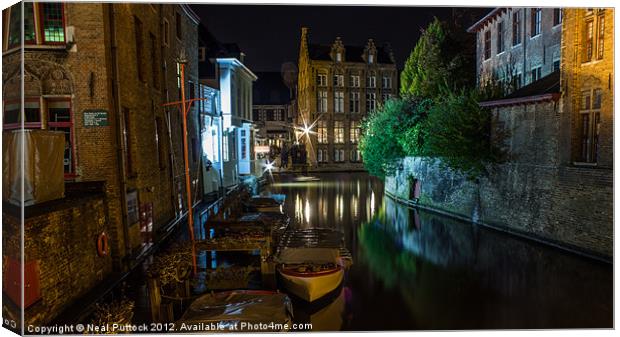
<point x="116" y="104"/>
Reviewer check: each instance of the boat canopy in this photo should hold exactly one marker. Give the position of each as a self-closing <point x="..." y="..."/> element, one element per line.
<point x="308" y="255"/>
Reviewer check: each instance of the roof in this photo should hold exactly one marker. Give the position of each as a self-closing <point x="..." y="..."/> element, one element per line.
<point x="486" y="19"/>
<point x="270" y="89"/>
<point x="547" y="88"/>
<point x="352" y="53"/>
<point x="214" y="49"/>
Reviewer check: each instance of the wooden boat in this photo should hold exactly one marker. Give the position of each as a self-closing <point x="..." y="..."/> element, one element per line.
<point x="223" y="310"/>
<point x="264" y="204"/>
<point x="310" y="273"/>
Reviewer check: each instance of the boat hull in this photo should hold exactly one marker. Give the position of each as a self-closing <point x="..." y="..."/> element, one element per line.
<point x="311" y="287"/>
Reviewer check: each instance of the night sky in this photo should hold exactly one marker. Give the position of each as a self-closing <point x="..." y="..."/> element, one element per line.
<point x="269" y="34"/>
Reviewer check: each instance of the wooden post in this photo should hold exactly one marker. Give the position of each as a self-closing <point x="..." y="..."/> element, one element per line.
<point x="154" y="297"/>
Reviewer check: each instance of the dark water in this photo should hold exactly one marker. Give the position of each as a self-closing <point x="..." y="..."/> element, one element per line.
<point x="417" y="270"/>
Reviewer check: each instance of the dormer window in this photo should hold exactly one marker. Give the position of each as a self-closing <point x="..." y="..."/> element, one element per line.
<point x="371" y="58"/>
<point x="338" y="57"/>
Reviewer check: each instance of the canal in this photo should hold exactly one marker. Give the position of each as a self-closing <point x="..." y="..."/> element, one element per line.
<point x="418" y="270"/>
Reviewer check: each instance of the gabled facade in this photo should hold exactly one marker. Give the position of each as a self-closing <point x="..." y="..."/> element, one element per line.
<point x="338" y="85"/>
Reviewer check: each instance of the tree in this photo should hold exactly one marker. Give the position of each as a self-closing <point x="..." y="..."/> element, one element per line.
<point x="443" y="56"/>
<point x="381" y="131"/>
<point x="460" y="132"/>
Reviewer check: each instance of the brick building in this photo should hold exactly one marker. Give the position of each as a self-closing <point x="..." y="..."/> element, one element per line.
<point x="273" y="111"/>
<point x="100" y="73"/>
<point x="337" y="86"/>
<point x="557" y="183"/>
<point x="517" y="46"/>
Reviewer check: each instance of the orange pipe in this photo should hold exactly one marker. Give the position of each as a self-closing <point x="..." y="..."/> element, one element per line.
<point x="190" y="222"/>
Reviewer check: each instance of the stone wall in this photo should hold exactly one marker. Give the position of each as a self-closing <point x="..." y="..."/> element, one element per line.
<point x="532" y="194"/>
<point x="62" y="237"/>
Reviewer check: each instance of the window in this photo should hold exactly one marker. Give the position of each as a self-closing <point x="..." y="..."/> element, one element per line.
<point x="321" y="80"/>
<point x="354" y="102"/>
<point x="557" y="16"/>
<point x="355" y="156"/>
<point x="518" y="81"/>
<point x="154" y="61"/>
<point x="516" y="28"/>
<point x="385" y="97"/>
<point x="225" y="146"/>
<point x="600" y="46"/>
<point x="387" y="82"/>
<point x="179" y="79"/>
<point x="322" y="101"/>
<point x="243" y="144"/>
<point x="338" y="101"/>
<point x="338" y="80"/>
<point x="166" y="33"/>
<point x="338" y="155"/>
<point x="179" y="25"/>
<point x="139" y="47"/>
<point x="53" y="22"/>
<point x="590" y="122"/>
<point x="588" y="41"/>
<point x="487" y="44"/>
<point x="500" y="37"/>
<point x="536" y="17"/>
<point x="129" y="170"/>
<point x="338" y="57"/>
<point x="322" y="156"/>
<point x="536" y="73"/>
<point x="354" y="131"/>
<point x="371" y="81"/>
<point x="355" y="81"/>
<point x="159" y="142"/>
<point x="322" y="132"/>
<point x="371" y="102"/>
<point x="15" y="24"/>
<point x="338" y="132"/>
<point x="556" y="65"/>
<point x="32" y="113"/>
<point x="371" y="58"/>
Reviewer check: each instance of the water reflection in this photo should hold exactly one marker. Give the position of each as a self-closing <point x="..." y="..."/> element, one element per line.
<point x="416" y="270"/>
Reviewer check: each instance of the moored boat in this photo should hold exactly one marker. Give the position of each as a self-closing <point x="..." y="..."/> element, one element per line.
<point x="310" y="273"/>
<point x="222" y="311"/>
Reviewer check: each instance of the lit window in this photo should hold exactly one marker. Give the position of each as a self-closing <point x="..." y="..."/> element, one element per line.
<point x="338" y="132"/>
<point x="354" y="132"/>
<point x="355" y="81"/>
<point x="338" y="101"/>
<point x="601" y="37"/>
<point x="53" y="22"/>
<point x="338" y="80"/>
<point x="588" y="41"/>
<point x="371" y="58"/>
<point x="322" y="132"/>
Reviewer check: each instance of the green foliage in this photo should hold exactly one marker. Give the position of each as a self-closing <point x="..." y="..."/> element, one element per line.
<point x="442" y="56"/>
<point x="459" y="132"/>
<point x="379" y="140"/>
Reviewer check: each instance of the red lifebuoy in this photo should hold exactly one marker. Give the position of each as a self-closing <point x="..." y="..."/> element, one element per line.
<point x="102" y="244"/>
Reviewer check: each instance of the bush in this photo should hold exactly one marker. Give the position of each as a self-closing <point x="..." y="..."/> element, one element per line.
<point x="382" y="132"/>
<point x="458" y="131"/>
